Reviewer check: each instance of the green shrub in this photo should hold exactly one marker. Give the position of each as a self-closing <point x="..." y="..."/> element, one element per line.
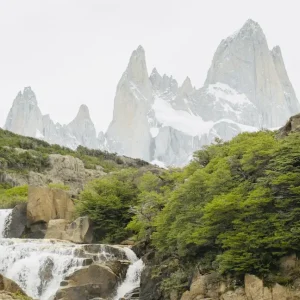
<point x="10" y="197"/>
<point x="59" y="186"/>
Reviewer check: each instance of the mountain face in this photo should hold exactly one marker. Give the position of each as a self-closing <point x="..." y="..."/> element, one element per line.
<point x="129" y="131"/>
<point x="25" y="118"/>
<point x="156" y="119"/>
<point x="247" y="88"/>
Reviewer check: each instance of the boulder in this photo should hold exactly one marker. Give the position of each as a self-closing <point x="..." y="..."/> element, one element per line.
<point x="119" y="267"/>
<point x="56" y="229"/>
<point x="80" y="231"/>
<point x="18" y="221"/>
<point x="45" y="204"/>
<point x="94" y="281"/>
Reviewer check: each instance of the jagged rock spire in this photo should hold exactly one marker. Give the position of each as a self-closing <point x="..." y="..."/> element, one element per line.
<point x="244" y="62"/>
<point x="25" y="117"/>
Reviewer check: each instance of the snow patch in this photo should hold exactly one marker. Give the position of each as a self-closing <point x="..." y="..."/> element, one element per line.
<point x="158" y="163"/>
<point x="39" y="135"/>
<point x="225" y="92"/>
<point x="154" y="131"/>
<point x="180" y="120"/>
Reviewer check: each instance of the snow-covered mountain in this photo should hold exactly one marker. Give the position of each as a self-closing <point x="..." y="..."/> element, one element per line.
<point x="25" y="118"/>
<point x="247" y="88"/>
<point x="156" y="119"/>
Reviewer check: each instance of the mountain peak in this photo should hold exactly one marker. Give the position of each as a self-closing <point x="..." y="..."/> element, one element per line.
<point x="154" y="72"/>
<point x="187" y="82"/>
<point x="137" y="68"/>
<point x="28" y="95"/>
<point x="276" y="51"/>
<point x="140" y="49"/>
<point x="83" y="112"/>
<point x="251" y="28"/>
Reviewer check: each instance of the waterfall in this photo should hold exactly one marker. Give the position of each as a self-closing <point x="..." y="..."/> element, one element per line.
<point x="133" y="275"/>
<point x="5" y="215"/>
<point x="38" y="266"/>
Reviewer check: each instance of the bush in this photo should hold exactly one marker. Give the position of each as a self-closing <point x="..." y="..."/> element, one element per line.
<point x="10" y="197"/>
<point x="107" y="201"/>
<point x="59" y="186"/>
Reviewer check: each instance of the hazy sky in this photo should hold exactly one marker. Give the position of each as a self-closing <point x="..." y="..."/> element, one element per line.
<point x="74" y="51"/>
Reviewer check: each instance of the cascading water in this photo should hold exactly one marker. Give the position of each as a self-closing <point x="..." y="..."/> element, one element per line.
<point x="39" y="266"/>
<point x="5" y="215"/>
<point x="133" y="275"/>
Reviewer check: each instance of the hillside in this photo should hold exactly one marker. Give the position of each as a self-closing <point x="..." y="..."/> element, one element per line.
<point x="26" y="160"/>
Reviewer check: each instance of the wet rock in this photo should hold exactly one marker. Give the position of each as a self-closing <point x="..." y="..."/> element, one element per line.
<point x="149" y="286"/>
<point x="134" y="294"/>
<point x="37" y="231"/>
<point x="94" y="281"/>
<point x="119" y="267"/>
<point x="80" y="231"/>
<point x="46" y="275"/>
<point x="18" y="222"/>
<point x="9" y="286"/>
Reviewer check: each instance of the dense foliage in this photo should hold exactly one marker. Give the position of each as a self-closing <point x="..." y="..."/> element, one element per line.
<point x="11" y="196"/>
<point x="107" y="202"/>
<point x="235" y="209"/>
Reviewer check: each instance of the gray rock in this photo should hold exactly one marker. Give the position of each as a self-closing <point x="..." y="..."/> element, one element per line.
<point x="18" y="221"/>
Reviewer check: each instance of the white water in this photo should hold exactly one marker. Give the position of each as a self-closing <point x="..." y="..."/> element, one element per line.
<point x="5" y="215"/>
<point x="133" y="275"/>
<point x="39" y="266"/>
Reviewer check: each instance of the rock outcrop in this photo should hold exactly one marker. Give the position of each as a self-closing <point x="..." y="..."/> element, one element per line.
<point x="45" y="204"/>
<point x="293" y="125"/>
<point x="254" y="289"/>
<point x="63" y="170"/>
<point x="96" y="280"/>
